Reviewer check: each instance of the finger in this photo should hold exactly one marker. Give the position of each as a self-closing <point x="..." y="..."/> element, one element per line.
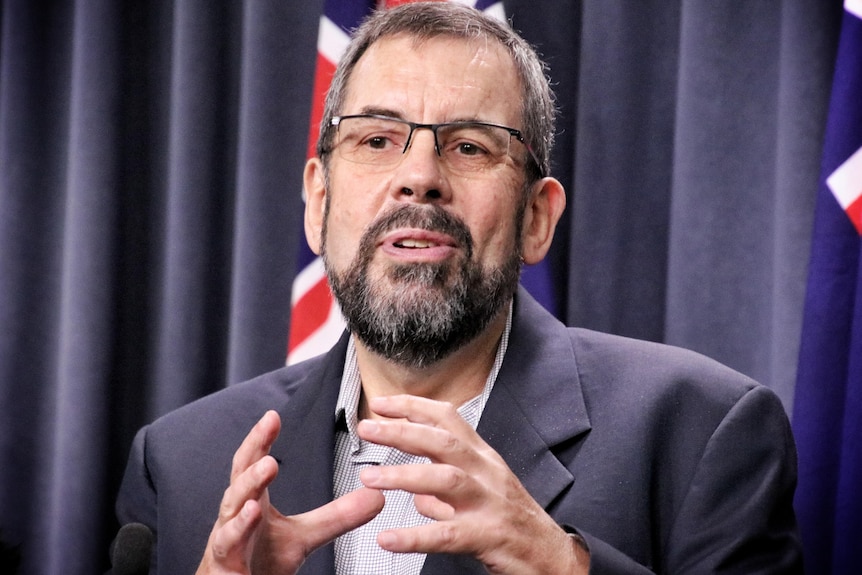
<point x="418" y="410"/>
<point x="446" y="482"/>
<point x="257" y="443"/>
<point x="410" y="424"/>
<point x="461" y="446"/>
<point x="433" y="508"/>
<point x="437" y="537"/>
<point x="250" y="485"/>
<point x="230" y="545"/>
<point x="320" y="526"/>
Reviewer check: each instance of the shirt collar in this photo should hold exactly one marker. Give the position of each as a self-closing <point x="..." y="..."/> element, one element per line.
<point x="347" y="406"/>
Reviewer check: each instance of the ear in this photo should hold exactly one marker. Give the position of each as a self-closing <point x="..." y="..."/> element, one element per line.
<point x="544" y="209"/>
<point x="315" y="202"/>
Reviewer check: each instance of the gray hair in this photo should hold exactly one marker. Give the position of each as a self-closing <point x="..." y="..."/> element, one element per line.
<point x="426" y="20"/>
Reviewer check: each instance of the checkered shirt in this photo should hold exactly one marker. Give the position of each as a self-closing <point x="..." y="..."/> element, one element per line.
<point x="357" y="552"/>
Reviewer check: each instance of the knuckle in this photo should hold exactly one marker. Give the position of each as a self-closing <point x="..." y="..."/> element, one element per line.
<point x="226" y="508"/>
<point x="448" y="536"/>
<point x="219" y="551"/>
<point x="450" y="441"/>
<point x="453" y="478"/>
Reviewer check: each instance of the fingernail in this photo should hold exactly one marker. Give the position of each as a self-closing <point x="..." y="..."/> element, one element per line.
<point x="370" y="426"/>
<point x="386" y="539"/>
<point x="370" y="476"/>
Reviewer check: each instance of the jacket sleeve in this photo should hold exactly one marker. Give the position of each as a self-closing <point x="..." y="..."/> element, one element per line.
<point x="737" y="515"/>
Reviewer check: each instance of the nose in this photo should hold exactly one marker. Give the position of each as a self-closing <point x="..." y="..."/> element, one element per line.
<point x="419" y="176"/>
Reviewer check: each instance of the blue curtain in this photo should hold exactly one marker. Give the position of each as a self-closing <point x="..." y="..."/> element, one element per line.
<point x="150" y="207"/>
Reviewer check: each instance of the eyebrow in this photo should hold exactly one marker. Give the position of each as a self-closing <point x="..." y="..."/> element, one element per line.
<point x="398" y="116"/>
<point x="381" y="112"/>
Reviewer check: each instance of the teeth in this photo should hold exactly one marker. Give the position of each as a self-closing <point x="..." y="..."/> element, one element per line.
<point x="416" y="244"/>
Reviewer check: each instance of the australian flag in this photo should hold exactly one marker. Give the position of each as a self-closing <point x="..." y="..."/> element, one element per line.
<point x="827" y="418"/>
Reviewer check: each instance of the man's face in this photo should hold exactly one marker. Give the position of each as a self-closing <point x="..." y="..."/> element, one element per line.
<point x="422" y="259"/>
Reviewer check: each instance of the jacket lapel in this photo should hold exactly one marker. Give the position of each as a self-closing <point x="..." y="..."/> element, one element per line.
<point x="305" y="447"/>
<point x="537" y="402"/>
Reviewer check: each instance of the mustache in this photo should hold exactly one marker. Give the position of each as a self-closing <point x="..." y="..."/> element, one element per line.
<point x="432" y="218"/>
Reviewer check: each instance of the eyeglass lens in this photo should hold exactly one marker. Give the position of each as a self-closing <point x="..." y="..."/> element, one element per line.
<point x="463" y="146"/>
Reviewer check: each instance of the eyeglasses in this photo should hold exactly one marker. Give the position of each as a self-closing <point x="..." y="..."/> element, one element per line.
<point x="465" y="147"/>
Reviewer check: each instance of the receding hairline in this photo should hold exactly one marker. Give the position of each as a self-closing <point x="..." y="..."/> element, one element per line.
<point x="421" y="20"/>
<point x="482" y="42"/>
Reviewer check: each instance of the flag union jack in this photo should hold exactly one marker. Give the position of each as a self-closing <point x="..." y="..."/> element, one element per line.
<point x="828" y="404"/>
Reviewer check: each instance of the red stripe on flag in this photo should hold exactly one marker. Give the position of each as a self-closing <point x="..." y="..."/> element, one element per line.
<point x="322" y="78"/>
<point x="309" y="313"/>
<point x="854" y="212"/>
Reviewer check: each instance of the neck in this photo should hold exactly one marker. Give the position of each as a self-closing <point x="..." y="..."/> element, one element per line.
<point x="456" y="378"/>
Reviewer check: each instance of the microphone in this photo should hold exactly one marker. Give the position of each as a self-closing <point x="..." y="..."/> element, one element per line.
<point x="131" y="550"/>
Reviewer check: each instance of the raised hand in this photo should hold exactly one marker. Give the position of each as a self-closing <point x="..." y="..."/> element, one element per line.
<point x="479" y="505"/>
<point x="251" y="536"/>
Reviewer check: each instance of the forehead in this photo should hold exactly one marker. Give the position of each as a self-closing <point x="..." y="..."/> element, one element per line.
<point x="435" y="80"/>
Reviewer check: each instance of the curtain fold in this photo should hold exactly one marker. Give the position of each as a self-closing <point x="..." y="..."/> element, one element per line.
<point x="151" y="159"/>
<point x="73" y="455"/>
<point x="723" y="167"/>
<point x="619" y="216"/>
<point x="741" y="216"/>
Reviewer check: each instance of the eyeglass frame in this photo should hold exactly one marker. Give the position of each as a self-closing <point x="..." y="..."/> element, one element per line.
<point x="334" y="121"/>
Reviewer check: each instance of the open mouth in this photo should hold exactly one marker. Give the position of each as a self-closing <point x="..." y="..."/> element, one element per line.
<point x="417" y="244"/>
<point x="412" y="234"/>
<point x="414" y="244"/>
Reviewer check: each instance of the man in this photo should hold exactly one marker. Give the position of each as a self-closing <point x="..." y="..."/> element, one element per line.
<point x="458" y="427"/>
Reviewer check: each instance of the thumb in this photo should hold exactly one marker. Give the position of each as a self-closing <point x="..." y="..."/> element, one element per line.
<point x="322" y="525"/>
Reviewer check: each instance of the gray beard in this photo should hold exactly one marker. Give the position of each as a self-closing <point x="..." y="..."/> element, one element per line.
<point x="421" y="312"/>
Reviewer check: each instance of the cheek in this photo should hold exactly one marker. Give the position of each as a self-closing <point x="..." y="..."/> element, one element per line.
<point x="503" y="241"/>
<point x="355" y="198"/>
<point x="347" y="221"/>
<point x="341" y="238"/>
<point x="493" y="225"/>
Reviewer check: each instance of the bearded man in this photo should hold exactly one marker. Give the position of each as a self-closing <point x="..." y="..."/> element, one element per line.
<point x="457" y="427"/>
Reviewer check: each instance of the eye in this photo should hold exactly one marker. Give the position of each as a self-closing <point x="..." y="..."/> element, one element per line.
<point x="473" y="142"/>
<point x="377" y="142"/>
<point x="470" y="149"/>
<point x="367" y="135"/>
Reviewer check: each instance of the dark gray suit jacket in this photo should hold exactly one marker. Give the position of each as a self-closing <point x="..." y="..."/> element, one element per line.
<point x="665" y="461"/>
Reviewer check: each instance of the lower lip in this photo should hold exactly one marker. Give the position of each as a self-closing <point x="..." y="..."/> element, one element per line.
<point x="433" y="254"/>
